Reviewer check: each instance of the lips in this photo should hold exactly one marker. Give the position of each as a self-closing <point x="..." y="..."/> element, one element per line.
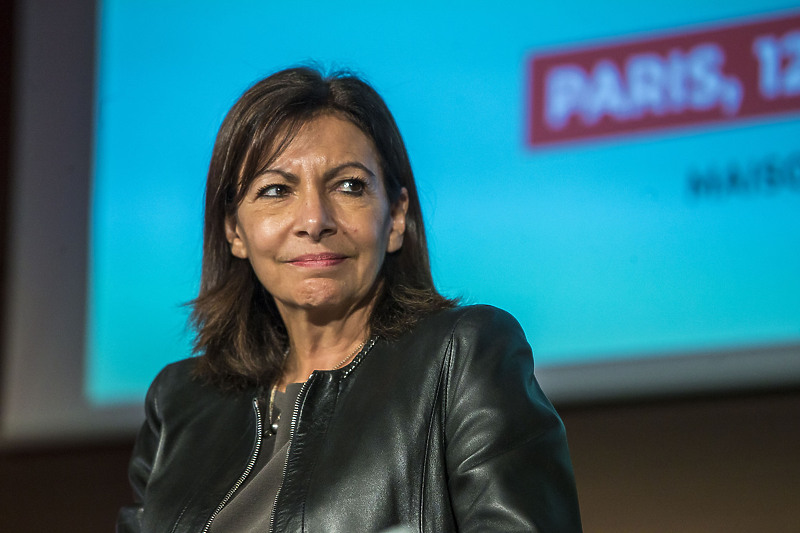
<point x="318" y="260"/>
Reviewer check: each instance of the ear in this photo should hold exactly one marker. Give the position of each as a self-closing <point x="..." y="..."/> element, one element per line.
<point x="232" y="234"/>
<point x="398" y="214"/>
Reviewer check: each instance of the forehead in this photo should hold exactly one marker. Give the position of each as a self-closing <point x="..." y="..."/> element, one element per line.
<point x="328" y="138"/>
<point x="297" y="135"/>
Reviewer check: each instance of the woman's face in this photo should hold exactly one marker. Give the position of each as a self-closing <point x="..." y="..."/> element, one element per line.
<point x="317" y="224"/>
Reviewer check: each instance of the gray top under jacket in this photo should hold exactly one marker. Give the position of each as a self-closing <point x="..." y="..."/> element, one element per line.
<point x="251" y="507"/>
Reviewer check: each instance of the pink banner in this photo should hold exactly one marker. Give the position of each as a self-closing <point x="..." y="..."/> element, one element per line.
<point x="696" y="77"/>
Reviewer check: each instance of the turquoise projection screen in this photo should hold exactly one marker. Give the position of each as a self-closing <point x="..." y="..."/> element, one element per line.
<point x="623" y="177"/>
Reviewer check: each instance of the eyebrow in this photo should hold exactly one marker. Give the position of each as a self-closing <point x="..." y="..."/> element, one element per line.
<point x="335" y="170"/>
<point x="330" y="173"/>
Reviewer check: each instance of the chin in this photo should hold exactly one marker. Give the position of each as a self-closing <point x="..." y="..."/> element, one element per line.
<point x="323" y="294"/>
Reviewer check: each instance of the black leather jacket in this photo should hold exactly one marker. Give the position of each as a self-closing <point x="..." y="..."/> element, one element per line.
<point x="442" y="430"/>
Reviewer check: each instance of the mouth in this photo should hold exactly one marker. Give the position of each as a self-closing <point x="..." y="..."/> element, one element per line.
<point x="317" y="260"/>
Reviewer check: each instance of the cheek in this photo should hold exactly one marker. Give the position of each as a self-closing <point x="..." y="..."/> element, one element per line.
<point x="373" y="239"/>
<point x="264" y="235"/>
<point x="378" y="230"/>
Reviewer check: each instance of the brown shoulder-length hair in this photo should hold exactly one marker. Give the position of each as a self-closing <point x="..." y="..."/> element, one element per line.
<point x="239" y="332"/>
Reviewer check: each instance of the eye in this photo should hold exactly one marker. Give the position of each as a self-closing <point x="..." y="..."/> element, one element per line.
<point x="274" y="190"/>
<point x="353" y="186"/>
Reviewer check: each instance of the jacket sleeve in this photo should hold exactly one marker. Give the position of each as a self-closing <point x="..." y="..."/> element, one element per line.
<point x="129" y="519"/>
<point x="506" y="449"/>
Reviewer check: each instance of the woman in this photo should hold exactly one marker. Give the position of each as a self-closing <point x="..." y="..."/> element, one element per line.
<point x="336" y="390"/>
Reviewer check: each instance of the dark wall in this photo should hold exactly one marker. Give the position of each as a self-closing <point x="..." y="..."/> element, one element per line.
<point x="69" y="489"/>
<point x="6" y="54"/>
<point x="713" y="465"/>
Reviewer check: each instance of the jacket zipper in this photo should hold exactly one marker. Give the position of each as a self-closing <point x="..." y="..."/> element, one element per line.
<point x="247" y="470"/>
<point x="292" y="426"/>
<point x="296" y="415"/>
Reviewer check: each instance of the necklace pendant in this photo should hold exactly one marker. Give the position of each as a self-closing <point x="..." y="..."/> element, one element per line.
<point x="273" y="429"/>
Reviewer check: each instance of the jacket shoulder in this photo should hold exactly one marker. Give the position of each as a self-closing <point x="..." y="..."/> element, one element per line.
<point x="178" y="390"/>
<point x="174" y="377"/>
<point x="452" y="339"/>
<point x="178" y="372"/>
<point x="473" y="321"/>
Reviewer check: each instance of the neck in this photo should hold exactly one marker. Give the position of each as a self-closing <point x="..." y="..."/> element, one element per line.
<point x="322" y="344"/>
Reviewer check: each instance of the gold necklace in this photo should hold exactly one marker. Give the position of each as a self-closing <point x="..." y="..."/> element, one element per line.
<point x="350" y="356"/>
<point x="272" y="428"/>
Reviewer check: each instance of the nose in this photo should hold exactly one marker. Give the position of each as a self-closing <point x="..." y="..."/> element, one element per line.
<point x="315" y="218"/>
